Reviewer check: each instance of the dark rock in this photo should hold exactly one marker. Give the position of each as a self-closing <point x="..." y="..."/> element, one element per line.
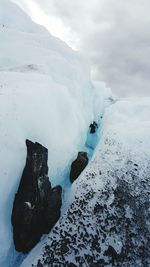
<point x="112" y="253"/>
<point x="39" y="264"/>
<point x="54" y="208"/>
<point x="78" y="166"/>
<point x="36" y="206"/>
<point x="71" y="264"/>
<point x="93" y="127"/>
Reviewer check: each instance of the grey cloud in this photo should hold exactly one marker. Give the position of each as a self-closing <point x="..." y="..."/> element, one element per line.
<point x="114" y="35"/>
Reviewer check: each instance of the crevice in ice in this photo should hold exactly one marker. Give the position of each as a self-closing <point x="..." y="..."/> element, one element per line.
<point x="91" y="142"/>
<point x="89" y="147"/>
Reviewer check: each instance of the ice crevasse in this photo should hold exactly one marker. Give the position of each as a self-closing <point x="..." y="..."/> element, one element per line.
<point x="46" y="95"/>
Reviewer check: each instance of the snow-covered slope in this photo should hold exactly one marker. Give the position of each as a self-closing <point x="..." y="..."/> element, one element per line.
<point x="45" y="95"/>
<point x="108" y="221"/>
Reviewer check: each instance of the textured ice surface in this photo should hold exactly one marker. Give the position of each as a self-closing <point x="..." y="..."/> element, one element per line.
<point x="45" y="95"/>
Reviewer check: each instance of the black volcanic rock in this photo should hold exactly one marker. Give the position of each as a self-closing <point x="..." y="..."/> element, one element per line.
<point x="78" y="166"/>
<point x="36" y="206"/>
<point x="93" y="127"/>
<point x="53" y="209"/>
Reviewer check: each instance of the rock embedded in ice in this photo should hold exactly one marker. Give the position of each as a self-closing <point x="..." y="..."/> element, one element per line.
<point x="78" y="166"/>
<point x="36" y="206"/>
<point x="93" y="127"/>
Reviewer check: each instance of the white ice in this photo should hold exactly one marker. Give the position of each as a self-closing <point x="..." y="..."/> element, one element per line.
<point x="46" y="95"/>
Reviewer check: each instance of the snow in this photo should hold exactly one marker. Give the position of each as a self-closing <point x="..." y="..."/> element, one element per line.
<point x="129" y="122"/>
<point x="46" y="95"/>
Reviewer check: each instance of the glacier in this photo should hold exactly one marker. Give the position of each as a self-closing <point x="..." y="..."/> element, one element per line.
<point x="47" y="96"/>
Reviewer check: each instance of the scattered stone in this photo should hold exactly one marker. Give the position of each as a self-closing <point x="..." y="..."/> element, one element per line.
<point x="78" y="166"/>
<point x="36" y="206"/>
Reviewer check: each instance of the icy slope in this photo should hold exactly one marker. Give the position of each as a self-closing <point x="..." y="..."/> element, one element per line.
<point x="45" y="95"/>
<point x="11" y="16"/>
<point x="108" y="221"/>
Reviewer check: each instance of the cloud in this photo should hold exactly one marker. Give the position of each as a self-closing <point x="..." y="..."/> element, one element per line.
<point x="114" y="35"/>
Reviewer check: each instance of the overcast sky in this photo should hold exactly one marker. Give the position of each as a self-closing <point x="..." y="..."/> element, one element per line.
<point x="113" y="34"/>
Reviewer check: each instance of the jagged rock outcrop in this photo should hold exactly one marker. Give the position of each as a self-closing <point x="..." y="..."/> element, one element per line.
<point x="36" y="206"/>
<point x="93" y="127"/>
<point x="78" y="166"/>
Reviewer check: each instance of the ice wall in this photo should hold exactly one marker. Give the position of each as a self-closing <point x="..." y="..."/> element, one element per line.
<point x="45" y="95"/>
